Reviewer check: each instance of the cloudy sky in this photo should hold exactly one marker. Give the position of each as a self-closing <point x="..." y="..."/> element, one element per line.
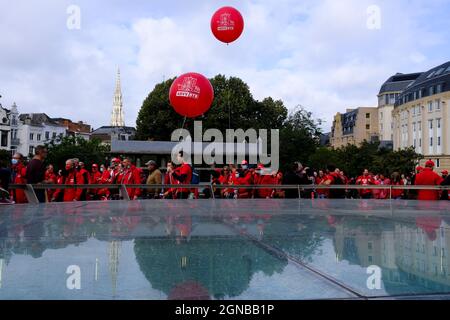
<point x="317" y="53"/>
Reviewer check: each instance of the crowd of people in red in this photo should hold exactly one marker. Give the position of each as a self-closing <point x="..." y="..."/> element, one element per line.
<point x="224" y="181"/>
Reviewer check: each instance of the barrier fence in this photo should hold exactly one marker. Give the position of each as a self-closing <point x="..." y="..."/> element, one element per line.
<point x="30" y="193"/>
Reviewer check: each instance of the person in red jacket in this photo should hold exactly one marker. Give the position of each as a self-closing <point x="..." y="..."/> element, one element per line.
<point x="95" y="177"/>
<point x="263" y="178"/>
<point x="320" y="179"/>
<point x="82" y="178"/>
<point x="131" y="175"/>
<point x="70" y="178"/>
<point x="365" y="180"/>
<point x="183" y="174"/>
<point x="18" y="177"/>
<point x="245" y="178"/>
<point x="428" y="178"/>
<point x="50" y="177"/>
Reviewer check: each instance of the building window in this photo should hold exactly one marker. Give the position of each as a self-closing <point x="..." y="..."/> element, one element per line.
<point x="367" y="115"/>
<point x="47" y="135"/>
<point x="31" y="150"/>
<point x="431" y="141"/>
<point x="14" y="121"/>
<point x="439" y="141"/>
<point x="4" y="139"/>
<point x="438" y="104"/>
<point x="367" y="126"/>
<point x="438" y="123"/>
<point x="431" y="91"/>
<point x="439" y="88"/>
<point x="38" y="136"/>
<point x="430" y="122"/>
<point x="420" y="143"/>
<point x="438" y="163"/>
<point x="381" y="115"/>
<point x="430" y="106"/>
<point x="54" y="135"/>
<point x="31" y="136"/>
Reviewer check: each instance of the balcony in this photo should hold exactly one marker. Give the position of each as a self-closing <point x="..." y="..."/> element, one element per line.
<point x="15" y="142"/>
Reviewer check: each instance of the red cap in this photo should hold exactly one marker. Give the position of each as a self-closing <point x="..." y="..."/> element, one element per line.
<point x="95" y="165"/>
<point x="419" y="169"/>
<point x="445" y="172"/>
<point x="244" y="162"/>
<point x="429" y="163"/>
<point x="116" y="160"/>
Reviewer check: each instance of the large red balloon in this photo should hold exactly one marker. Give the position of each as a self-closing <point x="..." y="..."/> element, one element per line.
<point x="227" y="24"/>
<point x="191" y="95"/>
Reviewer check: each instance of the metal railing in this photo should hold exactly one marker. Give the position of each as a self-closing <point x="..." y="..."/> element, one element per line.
<point x="30" y="193"/>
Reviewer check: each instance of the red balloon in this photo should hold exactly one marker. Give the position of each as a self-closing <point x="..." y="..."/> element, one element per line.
<point x="227" y="24"/>
<point x="191" y="95"/>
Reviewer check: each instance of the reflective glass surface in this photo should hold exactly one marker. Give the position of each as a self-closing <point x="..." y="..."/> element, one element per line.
<point x="226" y="249"/>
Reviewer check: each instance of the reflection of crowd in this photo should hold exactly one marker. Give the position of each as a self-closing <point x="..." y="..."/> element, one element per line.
<point x="228" y="182"/>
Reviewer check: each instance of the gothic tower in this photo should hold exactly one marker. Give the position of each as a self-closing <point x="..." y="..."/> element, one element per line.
<point x="117" y="118"/>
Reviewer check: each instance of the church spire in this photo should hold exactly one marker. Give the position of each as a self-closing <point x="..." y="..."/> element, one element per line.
<point x="117" y="118"/>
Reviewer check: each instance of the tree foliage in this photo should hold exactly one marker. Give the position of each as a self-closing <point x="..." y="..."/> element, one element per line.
<point x="89" y="152"/>
<point x="354" y="159"/>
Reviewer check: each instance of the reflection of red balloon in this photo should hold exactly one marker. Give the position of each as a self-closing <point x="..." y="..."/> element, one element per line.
<point x="227" y="24"/>
<point x="191" y="95"/>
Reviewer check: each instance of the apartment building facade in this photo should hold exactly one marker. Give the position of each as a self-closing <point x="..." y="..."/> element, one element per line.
<point x="354" y="127"/>
<point x="422" y="117"/>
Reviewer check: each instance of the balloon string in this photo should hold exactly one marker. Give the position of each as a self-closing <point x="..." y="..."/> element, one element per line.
<point x="182" y="127"/>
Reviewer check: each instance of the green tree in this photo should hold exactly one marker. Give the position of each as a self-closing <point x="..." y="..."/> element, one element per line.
<point x="233" y="107"/>
<point x="89" y="152"/>
<point x="299" y="137"/>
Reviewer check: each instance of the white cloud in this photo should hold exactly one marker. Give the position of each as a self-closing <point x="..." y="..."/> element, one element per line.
<point x="318" y="53"/>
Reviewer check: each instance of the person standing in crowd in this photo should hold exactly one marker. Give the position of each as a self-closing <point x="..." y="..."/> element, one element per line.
<point x="18" y="173"/>
<point x="109" y="176"/>
<point x="131" y="175"/>
<point x="263" y="178"/>
<point x="428" y="178"/>
<point x="183" y="174"/>
<point x="95" y="177"/>
<point x="154" y="177"/>
<point x="278" y="179"/>
<point x="50" y="176"/>
<point x="383" y="181"/>
<point x="245" y="178"/>
<point x="35" y="173"/>
<point x="445" y="194"/>
<point x="70" y="178"/>
<point x="396" y="180"/>
<point x="321" y="193"/>
<point x="365" y="180"/>
<point x="334" y="179"/>
<point x="82" y="178"/>
<point x="169" y="193"/>
<point x="291" y="178"/>
<point x="444" y="174"/>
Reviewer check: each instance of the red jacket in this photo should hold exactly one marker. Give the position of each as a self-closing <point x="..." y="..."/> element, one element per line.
<point x="264" y="180"/>
<point x="19" y="195"/>
<point x="184" y="171"/>
<point x="428" y="178"/>
<point x="365" y="181"/>
<point x="72" y="194"/>
<point x="245" y="179"/>
<point x="132" y="176"/>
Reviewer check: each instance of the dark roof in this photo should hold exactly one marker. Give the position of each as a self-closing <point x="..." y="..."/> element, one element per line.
<point x="399" y="82"/>
<point x="37" y="119"/>
<point x="166" y="147"/>
<point x="114" y="130"/>
<point x="439" y="75"/>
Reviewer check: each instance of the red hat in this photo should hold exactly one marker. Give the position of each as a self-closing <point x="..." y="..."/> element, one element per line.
<point x="95" y="165"/>
<point x="244" y="162"/>
<point x="429" y="163"/>
<point x="116" y="160"/>
<point x="419" y="169"/>
<point x="445" y="172"/>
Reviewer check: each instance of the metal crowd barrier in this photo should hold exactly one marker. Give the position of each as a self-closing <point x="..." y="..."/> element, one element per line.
<point x="29" y="189"/>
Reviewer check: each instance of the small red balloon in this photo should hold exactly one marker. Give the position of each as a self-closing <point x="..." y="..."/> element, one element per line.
<point x="227" y="24"/>
<point x="191" y="95"/>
